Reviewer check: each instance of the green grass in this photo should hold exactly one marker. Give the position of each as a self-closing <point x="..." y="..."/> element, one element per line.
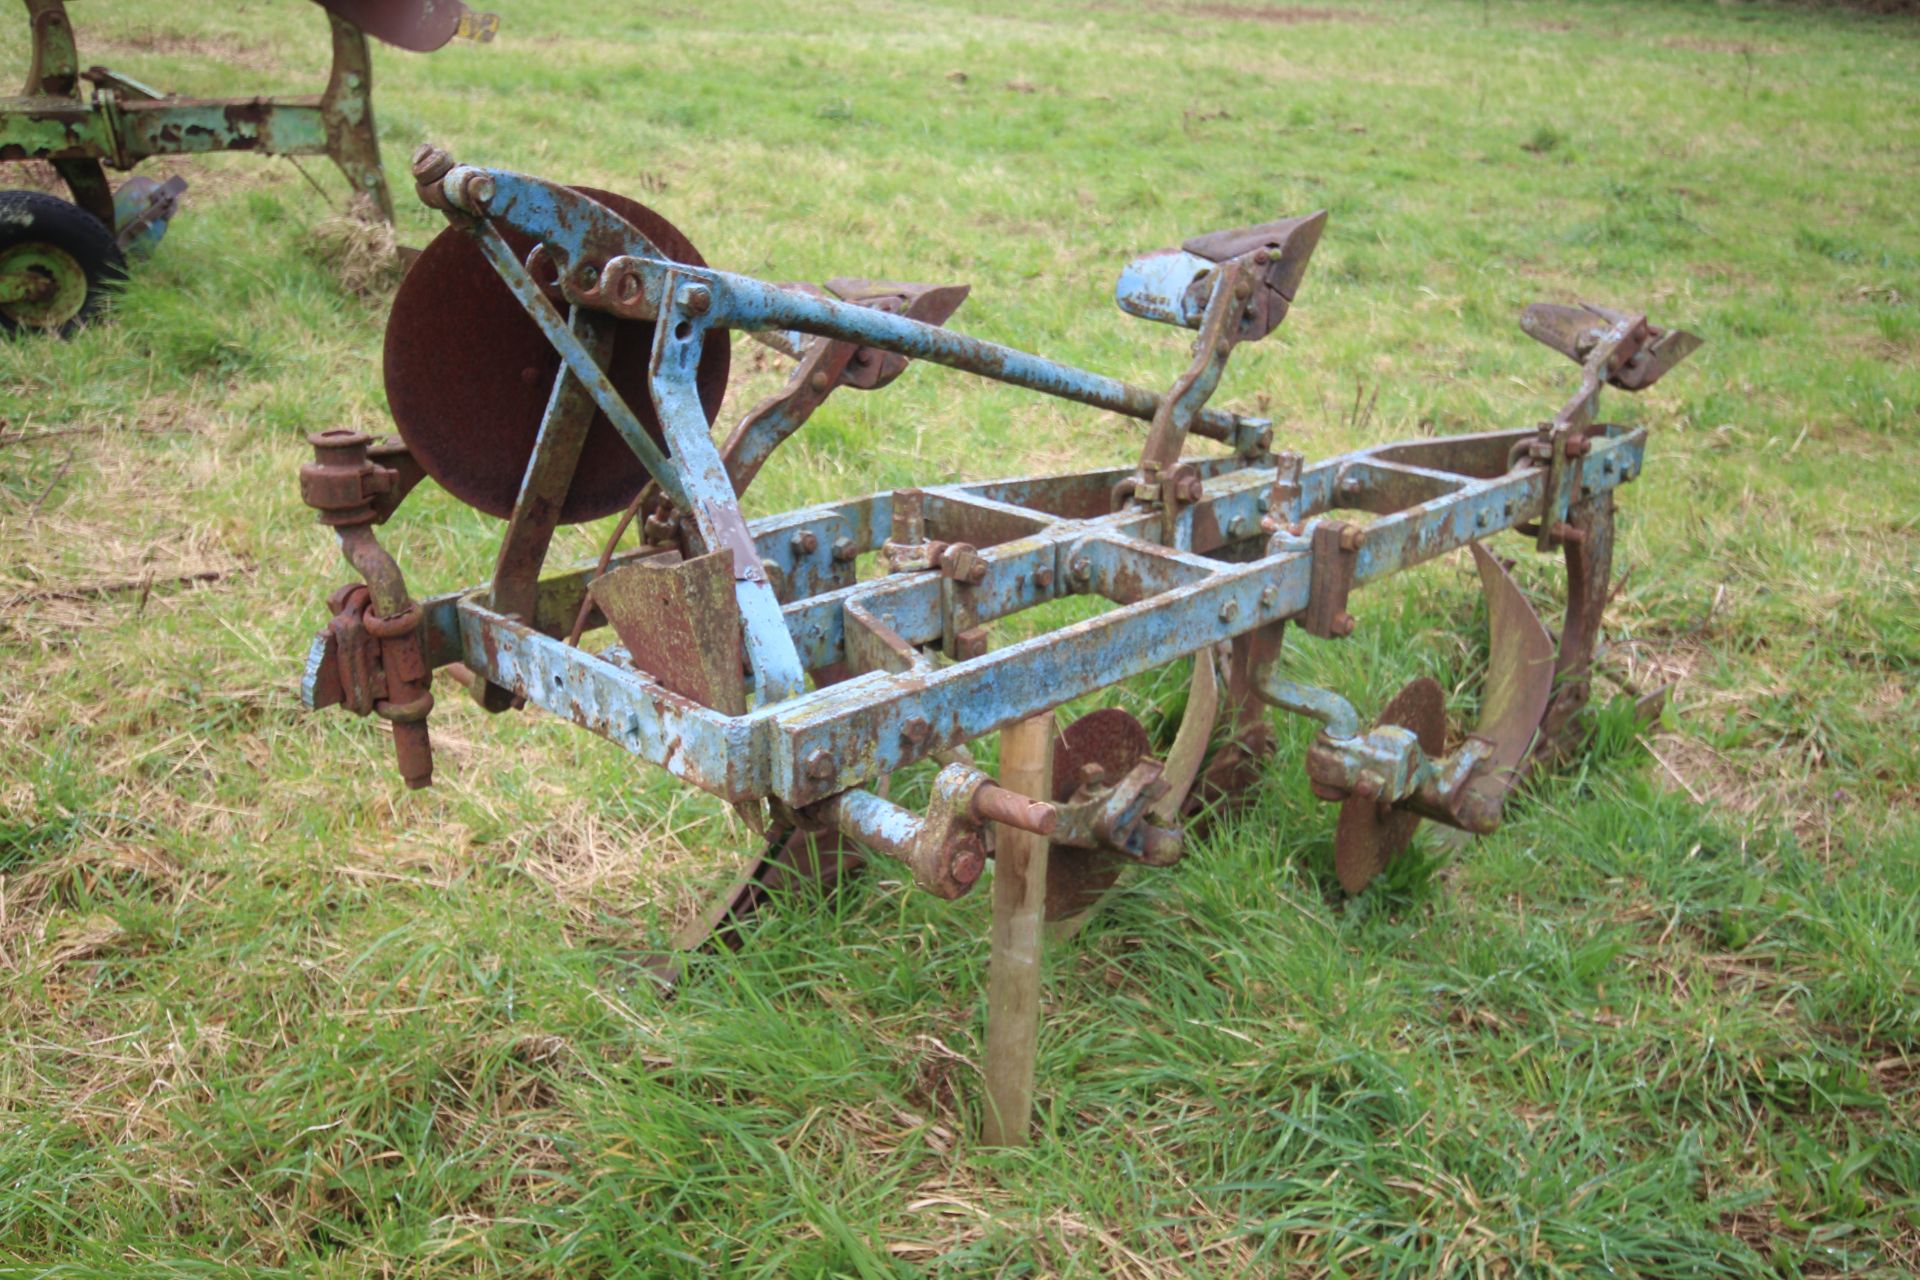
<point x="263" y="1012"/>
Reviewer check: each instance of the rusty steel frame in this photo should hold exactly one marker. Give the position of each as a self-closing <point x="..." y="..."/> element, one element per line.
<point x="1039" y="547"/>
<point x="755" y="664"/>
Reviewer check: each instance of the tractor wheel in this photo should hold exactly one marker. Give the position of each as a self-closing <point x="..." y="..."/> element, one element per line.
<point x="58" y="263"/>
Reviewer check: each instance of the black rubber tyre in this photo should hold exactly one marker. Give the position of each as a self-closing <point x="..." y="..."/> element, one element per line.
<point x="48" y="238"/>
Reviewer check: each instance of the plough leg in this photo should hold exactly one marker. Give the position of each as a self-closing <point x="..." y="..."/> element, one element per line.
<point x="1589" y="582"/>
<point x="1013" y="974"/>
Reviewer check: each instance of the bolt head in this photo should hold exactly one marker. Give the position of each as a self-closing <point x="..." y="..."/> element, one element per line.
<point x="820" y="765"/>
<point x="1229" y="611"/>
<point x="969" y="860"/>
<point x="478" y="192"/>
<point x="697" y="298"/>
<point x="430" y="163"/>
<point x="804" y="543"/>
<point x="844" y="550"/>
<point x="1343" y="624"/>
<point x="916" y="729"/>
<point x="1081" y="568"/>
<point x="1269" y="597"/>
<point x="1043" y="578"/>
<point x="1352" y="537"/>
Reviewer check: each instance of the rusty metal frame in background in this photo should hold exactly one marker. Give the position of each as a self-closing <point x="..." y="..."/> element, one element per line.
<point x="125" y="122"/>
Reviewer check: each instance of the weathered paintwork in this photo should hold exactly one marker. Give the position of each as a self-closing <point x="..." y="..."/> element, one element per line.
<point x="1174" y="602"/>
<point x="758" y="667"/>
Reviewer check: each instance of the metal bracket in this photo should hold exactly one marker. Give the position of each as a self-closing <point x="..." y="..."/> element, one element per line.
<point x="1336" y="557"/>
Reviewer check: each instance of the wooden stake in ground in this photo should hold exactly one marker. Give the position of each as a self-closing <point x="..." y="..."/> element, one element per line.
<point x="1013" y="970"/>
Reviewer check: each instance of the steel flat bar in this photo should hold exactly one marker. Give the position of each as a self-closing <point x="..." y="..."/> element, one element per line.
<point x="677" y="343"/>
<point x="549" y="473"/>
<point x="579" y="360"/>
<point x="704" y="748"/>
<point x="180" y="126"/>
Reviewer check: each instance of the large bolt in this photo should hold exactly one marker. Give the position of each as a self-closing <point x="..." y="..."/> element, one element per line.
<point x="1352" y="538"/>
<point x="962" y="562"/>
<point x="994" y="803"/>
<point x="1343" y="624"/>
<point x="1229" y="610"/>
<point x="696" y="299"/>
<point x="1081" y="568"/>
<point x="916" y="730"/>
<point x="804" y="543"/>
<point x="820" y="766"/>
<point x="844" y="551"/>
<point x="476" y="192"/>
<point x="1043" y="578"/>
<point x="968" y="858"/>
<point x="430" y="163"/>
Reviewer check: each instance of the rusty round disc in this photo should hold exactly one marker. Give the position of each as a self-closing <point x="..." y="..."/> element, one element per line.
<point x="468" y="375"/>
<point x="1371" y="835"/>
<point x="1114" y="740"/>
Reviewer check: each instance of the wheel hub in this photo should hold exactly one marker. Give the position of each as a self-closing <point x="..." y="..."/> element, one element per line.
<point x="42" y="286"/>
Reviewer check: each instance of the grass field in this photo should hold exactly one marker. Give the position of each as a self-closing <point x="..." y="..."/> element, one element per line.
<point x="264" y="1012"/>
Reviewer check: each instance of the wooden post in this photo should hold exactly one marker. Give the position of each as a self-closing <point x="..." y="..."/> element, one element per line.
<point x="1013" y="969"/>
